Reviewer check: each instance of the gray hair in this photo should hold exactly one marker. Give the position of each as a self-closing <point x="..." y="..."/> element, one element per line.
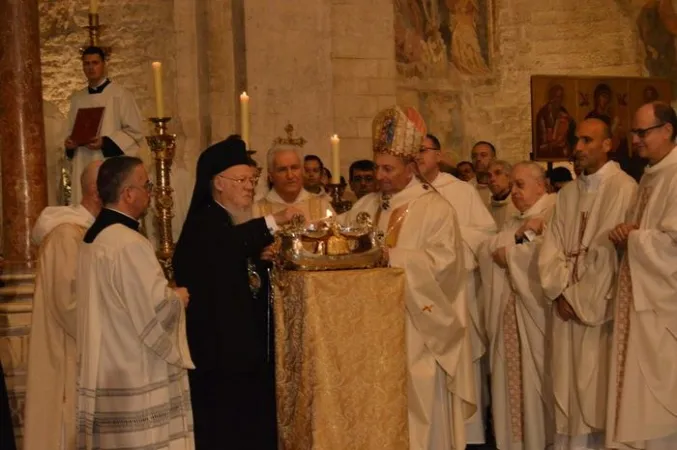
<point x="277" y="148"/>
<point x="505" y="165"/>
<point x="537" y="171"/>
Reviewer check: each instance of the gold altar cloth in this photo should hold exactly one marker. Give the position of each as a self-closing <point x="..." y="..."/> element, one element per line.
<point x="341" y="364"/>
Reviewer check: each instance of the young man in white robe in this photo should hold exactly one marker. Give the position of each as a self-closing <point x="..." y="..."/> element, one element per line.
<point x="517" y="317"/>
<point x="482" y="154"/>
<point x="121" y="125"/>
<point x="49" y="411"/>
<point x="422" y="236"/>
<point x="131" y="341"/>
<point x="642" y="396"/>
<point x="578" y="267"/>
<point x="501" y="206"/>
<point x="285" y="173"/>
<point x="476" y="226"/>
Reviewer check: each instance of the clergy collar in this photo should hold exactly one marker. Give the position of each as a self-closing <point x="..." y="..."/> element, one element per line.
<point x="670" y="159"/>
<point x="501" y="202"/>
<point x="99" y="88"/>
<point x="503" y="198"/>
<point x="274" y="197"/>
<point x="543" y="203"/>
<point x="106" y="218"/>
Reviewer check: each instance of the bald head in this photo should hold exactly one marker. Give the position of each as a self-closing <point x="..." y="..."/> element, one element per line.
<point x="593" y="144"/>
<point x="88" y="179"/>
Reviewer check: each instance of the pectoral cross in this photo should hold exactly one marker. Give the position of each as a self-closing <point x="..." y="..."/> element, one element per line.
<point x="582" y="250"/>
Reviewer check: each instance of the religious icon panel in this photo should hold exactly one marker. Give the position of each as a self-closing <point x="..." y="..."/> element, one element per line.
<point x="558" y="103"/>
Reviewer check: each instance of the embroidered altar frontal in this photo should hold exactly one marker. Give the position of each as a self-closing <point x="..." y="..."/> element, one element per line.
<point x="341" y="364"/>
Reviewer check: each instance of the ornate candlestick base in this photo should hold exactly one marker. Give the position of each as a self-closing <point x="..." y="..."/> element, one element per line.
<point x="94" y="30"/>
<point x="339" y="205"/>
<point x="163" y="145"/>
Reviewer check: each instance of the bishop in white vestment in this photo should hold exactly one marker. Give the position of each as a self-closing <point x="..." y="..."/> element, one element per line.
<point x="517" y="318"/>
<point x="642" y="395"/>
<point x="578" y="267"/>
<point x="285" y="174"/>
<point x="131" y="341"/>
<point x="476" y="226"/>
<point x="121" y="125"/>
<point x="423" y="237"/>
<point x="49" y="411"/>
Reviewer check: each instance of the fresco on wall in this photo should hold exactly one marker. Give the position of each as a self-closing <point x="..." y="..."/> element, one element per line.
<point x="657" y="26"/>
<point x="436" y="37"/>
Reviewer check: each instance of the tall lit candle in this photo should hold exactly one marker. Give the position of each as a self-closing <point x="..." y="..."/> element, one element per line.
<point x="335" y="160"/>
<point x="159" y="99"/>
<point x="93" y="6"/>
<point x="244" y="118"/>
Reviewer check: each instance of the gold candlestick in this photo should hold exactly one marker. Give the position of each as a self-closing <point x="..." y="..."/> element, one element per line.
<point x="163" y="145"/>
<point x="94" y="30"/>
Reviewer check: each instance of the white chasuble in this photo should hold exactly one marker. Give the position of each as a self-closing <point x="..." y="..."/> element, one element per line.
<point x="642" y="400"/>
<point x="133" y="354"/>
<point x="422" y="230"/>
<point x="579" y="262"/>
<point x="476" y="226"/>
<point x="314" y="206"/>
<point x="49" y="414"/>
<point x="121" y="122"/>
<point x="517" y="327"/>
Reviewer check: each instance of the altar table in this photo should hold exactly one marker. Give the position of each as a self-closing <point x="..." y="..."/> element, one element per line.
<point x="341" y="366"/>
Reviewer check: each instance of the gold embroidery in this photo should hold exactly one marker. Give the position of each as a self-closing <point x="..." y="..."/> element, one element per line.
<point x="625" y="299"/>
<point x="513" y="367"/>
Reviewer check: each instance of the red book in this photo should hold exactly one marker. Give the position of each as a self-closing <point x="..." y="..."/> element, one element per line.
<point x="87" y="125"/>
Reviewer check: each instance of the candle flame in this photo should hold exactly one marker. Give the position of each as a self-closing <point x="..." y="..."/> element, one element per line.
<point x="156" y="64"/>
<point x="329" y="213"/>
<point x="244" y="95"/>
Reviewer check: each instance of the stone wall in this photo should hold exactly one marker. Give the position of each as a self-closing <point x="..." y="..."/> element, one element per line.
<point x="555" y="37"/>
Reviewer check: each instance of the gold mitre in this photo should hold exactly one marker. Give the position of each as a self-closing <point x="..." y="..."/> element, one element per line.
<point x="290" y="140"/>
<point x="398" y="131"/>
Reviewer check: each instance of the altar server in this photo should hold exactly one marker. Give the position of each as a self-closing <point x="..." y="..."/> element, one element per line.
<point x="120" y="132"/>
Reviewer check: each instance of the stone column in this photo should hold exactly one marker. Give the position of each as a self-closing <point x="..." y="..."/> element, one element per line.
<point x="24" y="187"/>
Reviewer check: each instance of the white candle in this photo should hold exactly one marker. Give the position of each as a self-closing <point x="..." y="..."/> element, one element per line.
<point x="93" y="6"/>
<point x="159" y="100"/>
<point x="244" y="118"/>
<point x="335" y="160"/>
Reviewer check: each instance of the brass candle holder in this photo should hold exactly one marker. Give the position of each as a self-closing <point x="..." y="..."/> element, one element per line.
<point x="163" y="145"/>
<point x="94" y="28"/>
<point x="339" y="205"/>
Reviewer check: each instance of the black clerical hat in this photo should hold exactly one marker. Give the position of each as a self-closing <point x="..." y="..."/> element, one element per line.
<point x="212" y="161"/>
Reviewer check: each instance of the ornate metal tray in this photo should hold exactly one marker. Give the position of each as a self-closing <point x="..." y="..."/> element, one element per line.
<point x="327" y="245"/>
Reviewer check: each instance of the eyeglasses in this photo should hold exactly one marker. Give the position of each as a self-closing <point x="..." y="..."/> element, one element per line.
<point x="642" y="132"/>
<point x="241" y="181"/>
<point x="425" y="149"/>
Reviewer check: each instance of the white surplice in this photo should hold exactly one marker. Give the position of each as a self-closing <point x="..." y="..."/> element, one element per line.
<point x="578" y="261"/>
<point x="517" y="326"/>
<point x="642" y="400"/>
<point x="49" y="411"/>
<point x="483" y="190"/>
<point x="132" y="349"/>
<point x="476" y="226"/>
<point x="426" y="242"/>
<point x="314" y="206"/>
<point x="121" y="122"/>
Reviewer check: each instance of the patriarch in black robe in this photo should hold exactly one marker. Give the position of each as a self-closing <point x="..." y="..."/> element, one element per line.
<point x="229" y="319"/>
